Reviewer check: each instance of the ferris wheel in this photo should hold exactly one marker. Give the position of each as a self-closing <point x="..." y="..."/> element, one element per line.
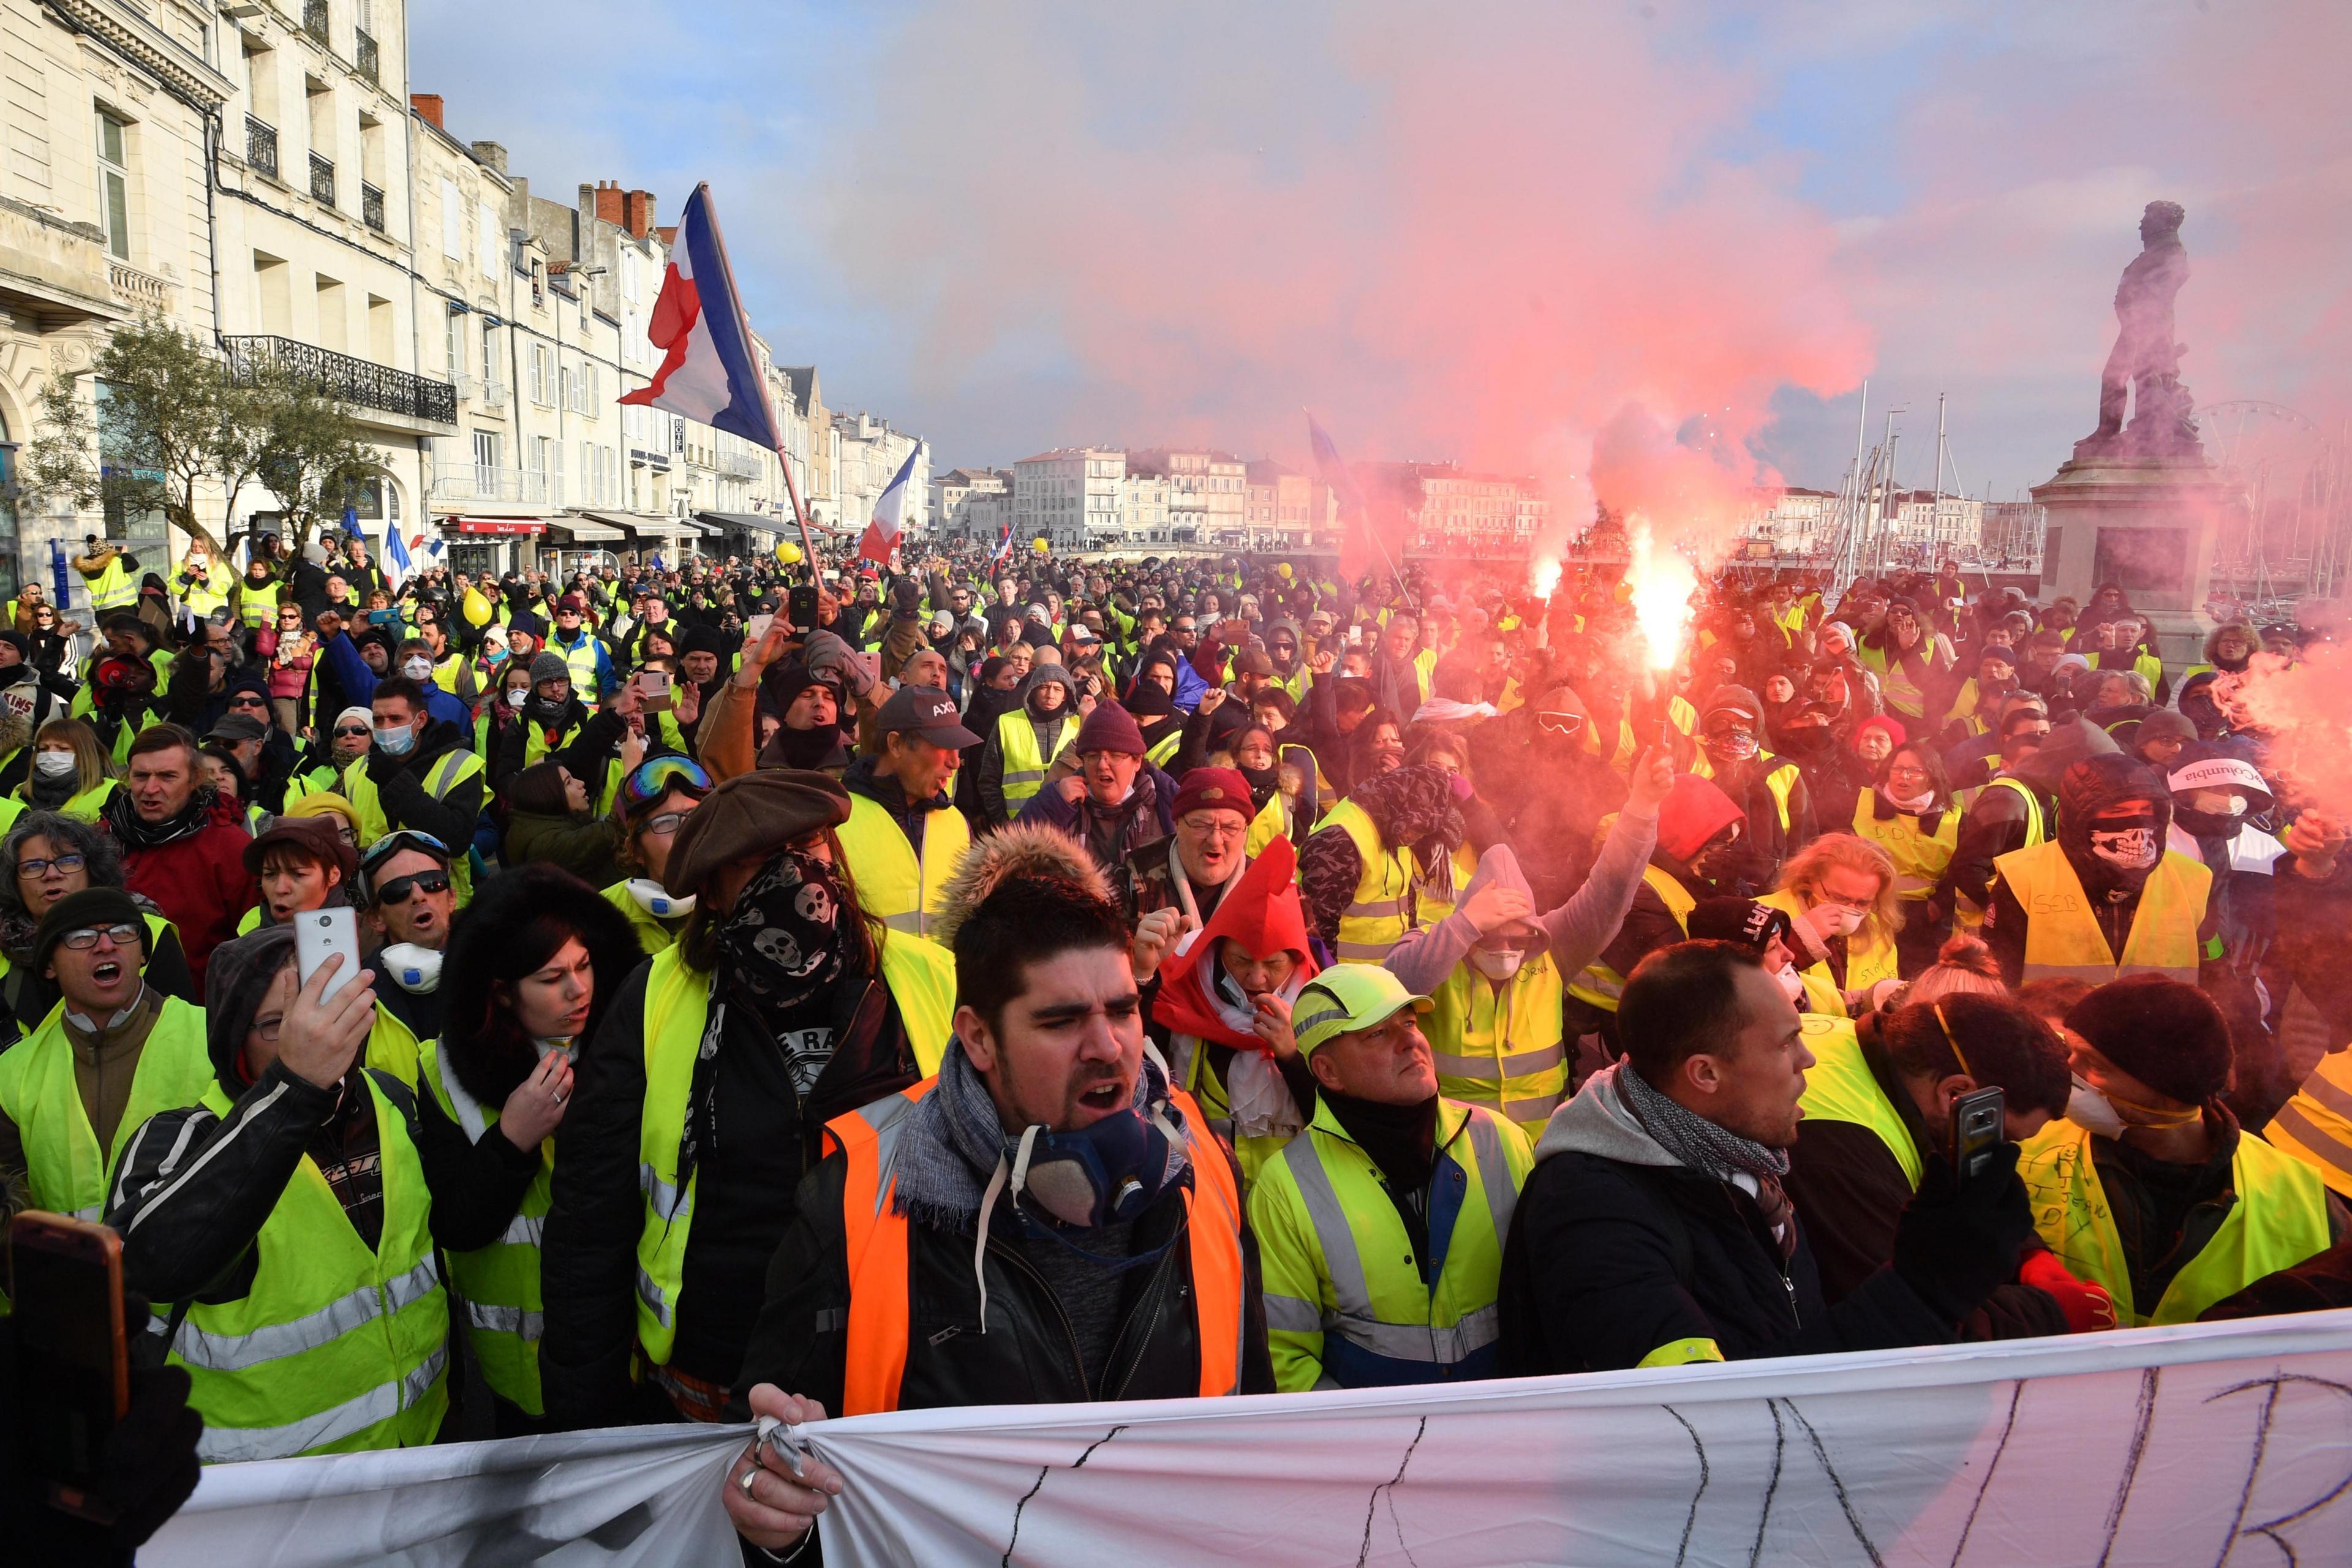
<point x="2250" y="438"/>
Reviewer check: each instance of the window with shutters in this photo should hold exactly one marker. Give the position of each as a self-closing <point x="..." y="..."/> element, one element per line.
<point x="539" y="389"/>
<point x="454" y="344"/>
<point x="452" y="223"/>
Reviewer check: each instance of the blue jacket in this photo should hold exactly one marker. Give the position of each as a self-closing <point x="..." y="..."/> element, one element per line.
<point x="360" y="682"/>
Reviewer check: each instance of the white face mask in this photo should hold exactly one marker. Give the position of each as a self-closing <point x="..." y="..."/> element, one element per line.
<point x="2133" y="848"/>
<point x="659" y="901"/>
<point x="1835" y="920"/>
<point x="1496" y="965"/>
<point x="54" y="765"/>
<point x="1916" y="803"/>
<point x="517" y="697"/>
<point x="417" y="667"/>
<point x="2088" y="1109"/>
<point x="1792" y="983"/>
<point x="415" y="970"/>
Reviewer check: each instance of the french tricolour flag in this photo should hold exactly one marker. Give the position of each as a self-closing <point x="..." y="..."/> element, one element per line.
<point x="708" y="373"/>
<point x="881" y="535"/>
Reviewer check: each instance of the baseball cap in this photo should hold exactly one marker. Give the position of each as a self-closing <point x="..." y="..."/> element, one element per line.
<point x="237" y="727"/>
<point x="1346" y="998"/>
<point x="928" y="711"/>
<point x="570" y="604"/>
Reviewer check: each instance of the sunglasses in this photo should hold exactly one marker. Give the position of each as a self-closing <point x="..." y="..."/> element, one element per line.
<point x="85" y="938"/>
<point x="398" y="889"/>
<point x="247" y="699"/>
<point x="361" y="730"/>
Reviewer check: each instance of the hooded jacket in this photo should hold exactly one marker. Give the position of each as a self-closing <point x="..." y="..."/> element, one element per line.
<point x="1617" y="1249"/>
<point x="1552" y="810"/>
<point x="2085" y="788"/>
<point x="991" y="784"/>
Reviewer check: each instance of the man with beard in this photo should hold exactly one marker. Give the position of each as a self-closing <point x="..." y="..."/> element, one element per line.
<point x="1142" y="1284"/>
<point x="2104" y="896"/>
<point x="551" y="720"/>
<point x="1027" y="740"/>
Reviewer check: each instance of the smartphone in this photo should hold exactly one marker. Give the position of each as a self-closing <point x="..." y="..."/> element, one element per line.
<point x="73" y="1357"/>
<point x="802" y="606"/>
<point x="1355" y="637"/>
<point x="1980" y="1125"/>
<point x="317" y="934"/>
<point x="757" y="627"/>
<point x="654" y="685"/>
<point x="870" y="661"/>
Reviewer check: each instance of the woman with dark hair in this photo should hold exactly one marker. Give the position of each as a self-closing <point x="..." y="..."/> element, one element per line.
<point x="1910" y="814"/>
<point x="548" y="819"/>
<point x="533" y="963"/>
<point x="46" y="857"/>
<point x="703" y="1100"/>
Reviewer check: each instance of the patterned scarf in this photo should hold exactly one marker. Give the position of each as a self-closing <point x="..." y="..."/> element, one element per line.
<point x="784" y="944"/>
<point x="1716" y="1151"/>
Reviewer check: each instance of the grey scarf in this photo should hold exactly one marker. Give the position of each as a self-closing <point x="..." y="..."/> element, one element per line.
<point x="954" y="1141"/>
<point x="1701" y="1144"/>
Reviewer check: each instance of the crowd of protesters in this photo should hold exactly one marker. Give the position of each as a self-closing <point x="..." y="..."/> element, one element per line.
<point x="985" y="980"/>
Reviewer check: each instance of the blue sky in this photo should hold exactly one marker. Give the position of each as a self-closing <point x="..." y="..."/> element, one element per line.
<point x="1979" y="168"/>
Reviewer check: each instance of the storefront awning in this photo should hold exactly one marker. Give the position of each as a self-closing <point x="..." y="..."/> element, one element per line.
<point x="747" y="521"/>
<point x="506" y="526"/>
<point x="581" y="528"/>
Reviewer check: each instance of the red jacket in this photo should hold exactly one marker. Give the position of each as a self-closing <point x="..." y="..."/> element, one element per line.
<point x="200" y="883"/>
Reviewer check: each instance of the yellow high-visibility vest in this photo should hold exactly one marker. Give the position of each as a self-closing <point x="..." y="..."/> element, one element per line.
<point x="2062" y="939"/>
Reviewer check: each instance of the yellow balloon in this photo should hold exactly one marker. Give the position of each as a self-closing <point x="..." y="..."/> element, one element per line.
<point x="1283" y="570"/>
<point x="477" y="608"/>
<point x="788" y="552"/>
<point x="1040" y="546"/>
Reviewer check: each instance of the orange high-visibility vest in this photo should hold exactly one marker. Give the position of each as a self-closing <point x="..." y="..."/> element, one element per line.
<point x="879" y="1316"/>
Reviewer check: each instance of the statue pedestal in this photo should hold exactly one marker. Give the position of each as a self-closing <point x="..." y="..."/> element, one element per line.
<point x="2148" y="524"/>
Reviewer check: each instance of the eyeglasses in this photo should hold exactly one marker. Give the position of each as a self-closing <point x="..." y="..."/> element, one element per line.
<point x="397" y="890"/>
<point x="85" y="938"/>
<point x="668" y="822"/>
<point x="66" y="863"/>
<point x="1859" y="906"/>
<point x="652" y="779"/>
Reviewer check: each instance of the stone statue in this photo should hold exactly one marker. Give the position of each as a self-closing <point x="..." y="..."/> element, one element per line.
<point x="2145" y="367"/>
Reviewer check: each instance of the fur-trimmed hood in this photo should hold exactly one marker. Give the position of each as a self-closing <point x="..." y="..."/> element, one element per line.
<point x="488" y="1060"/>
<point x="1014" y="853"/>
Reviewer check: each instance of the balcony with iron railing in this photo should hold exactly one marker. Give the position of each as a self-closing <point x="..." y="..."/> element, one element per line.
<point x="322" y="179"/>
<point x="494" y="396"/>
<point x="738" y="468"/>
<point x="361" y="382"/>
<point x="314" y="20"/>
<point x="261" y="146"/>
<point x="496" y="482"/>
<point x="364" y="55"/>
<point x="370" y="207"/>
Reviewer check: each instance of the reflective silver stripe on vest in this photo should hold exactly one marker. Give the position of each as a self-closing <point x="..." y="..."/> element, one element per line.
<point x="517" y="1320"/>
<point x="1530" y="1108"/>
<point x="89" y="1216"/>
<point x="1519" y="1064"/>
<point x="1031" y="778"/>
<point x="912" y="922"/>
<point x="1288" y="1314"/>
<point x="523" y="1230"/>
<point x="224" y="1445"/>
<point x="1913" y="887"/>
<point x="1354" y="1320"/>
<point x="664" y="1197"/>
<point x="1495" y="1174"/>
<point x="241" y="1352"/>
<point x="1601" y="982"/>
<point x="1363" y="952"/>
<point x="650" y="1294"/>
<point x="1379" y="908"/>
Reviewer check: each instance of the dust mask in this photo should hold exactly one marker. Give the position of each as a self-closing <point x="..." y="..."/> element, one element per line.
<point x="516" y="698"/>
<point x="415" y="970"/>
<point x="54" y="765"/>
<point x="1792" y="983"/>
<point x="1835" y="920"/>
<point x="659" y="901"/>
<point x="417" y="667"/>
<point x="1498" y="964"/>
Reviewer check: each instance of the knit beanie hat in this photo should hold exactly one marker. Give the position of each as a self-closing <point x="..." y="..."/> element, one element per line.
<point x="549" y="666"/>
<point x="1109" y="728"/>
<point x="2165" y="1033"/>
<point x="99" y="906"/>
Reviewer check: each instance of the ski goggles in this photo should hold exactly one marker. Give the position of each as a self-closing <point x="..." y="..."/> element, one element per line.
<point x="656" y="776"/>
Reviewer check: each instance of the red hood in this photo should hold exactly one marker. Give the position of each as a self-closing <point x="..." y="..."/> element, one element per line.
<point x="1695" y="811"/>
<point x="1263" y="914"/>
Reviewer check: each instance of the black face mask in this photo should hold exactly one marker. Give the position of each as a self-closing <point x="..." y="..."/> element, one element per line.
<point x="1805" y="740"/>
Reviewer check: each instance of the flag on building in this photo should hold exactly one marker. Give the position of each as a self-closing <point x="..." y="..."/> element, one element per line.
<point x="708" y="371"/>
<point x="881" y="536"/>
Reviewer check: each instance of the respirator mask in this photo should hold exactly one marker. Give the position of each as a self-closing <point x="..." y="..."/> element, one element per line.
<point x="659" y="901"/>
<point x="415" y="970"/>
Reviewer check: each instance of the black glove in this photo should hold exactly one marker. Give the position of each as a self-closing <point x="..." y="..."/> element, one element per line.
<point x="381" y="764"/>
<point x="1957" y="1241"/>
<point x="150" y="1466"/>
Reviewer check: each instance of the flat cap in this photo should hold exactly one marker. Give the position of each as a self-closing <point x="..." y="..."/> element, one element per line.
<point x="750" y="817"/>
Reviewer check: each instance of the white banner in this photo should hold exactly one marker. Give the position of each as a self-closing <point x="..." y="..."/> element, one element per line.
<point x="2207" y="1444"/>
